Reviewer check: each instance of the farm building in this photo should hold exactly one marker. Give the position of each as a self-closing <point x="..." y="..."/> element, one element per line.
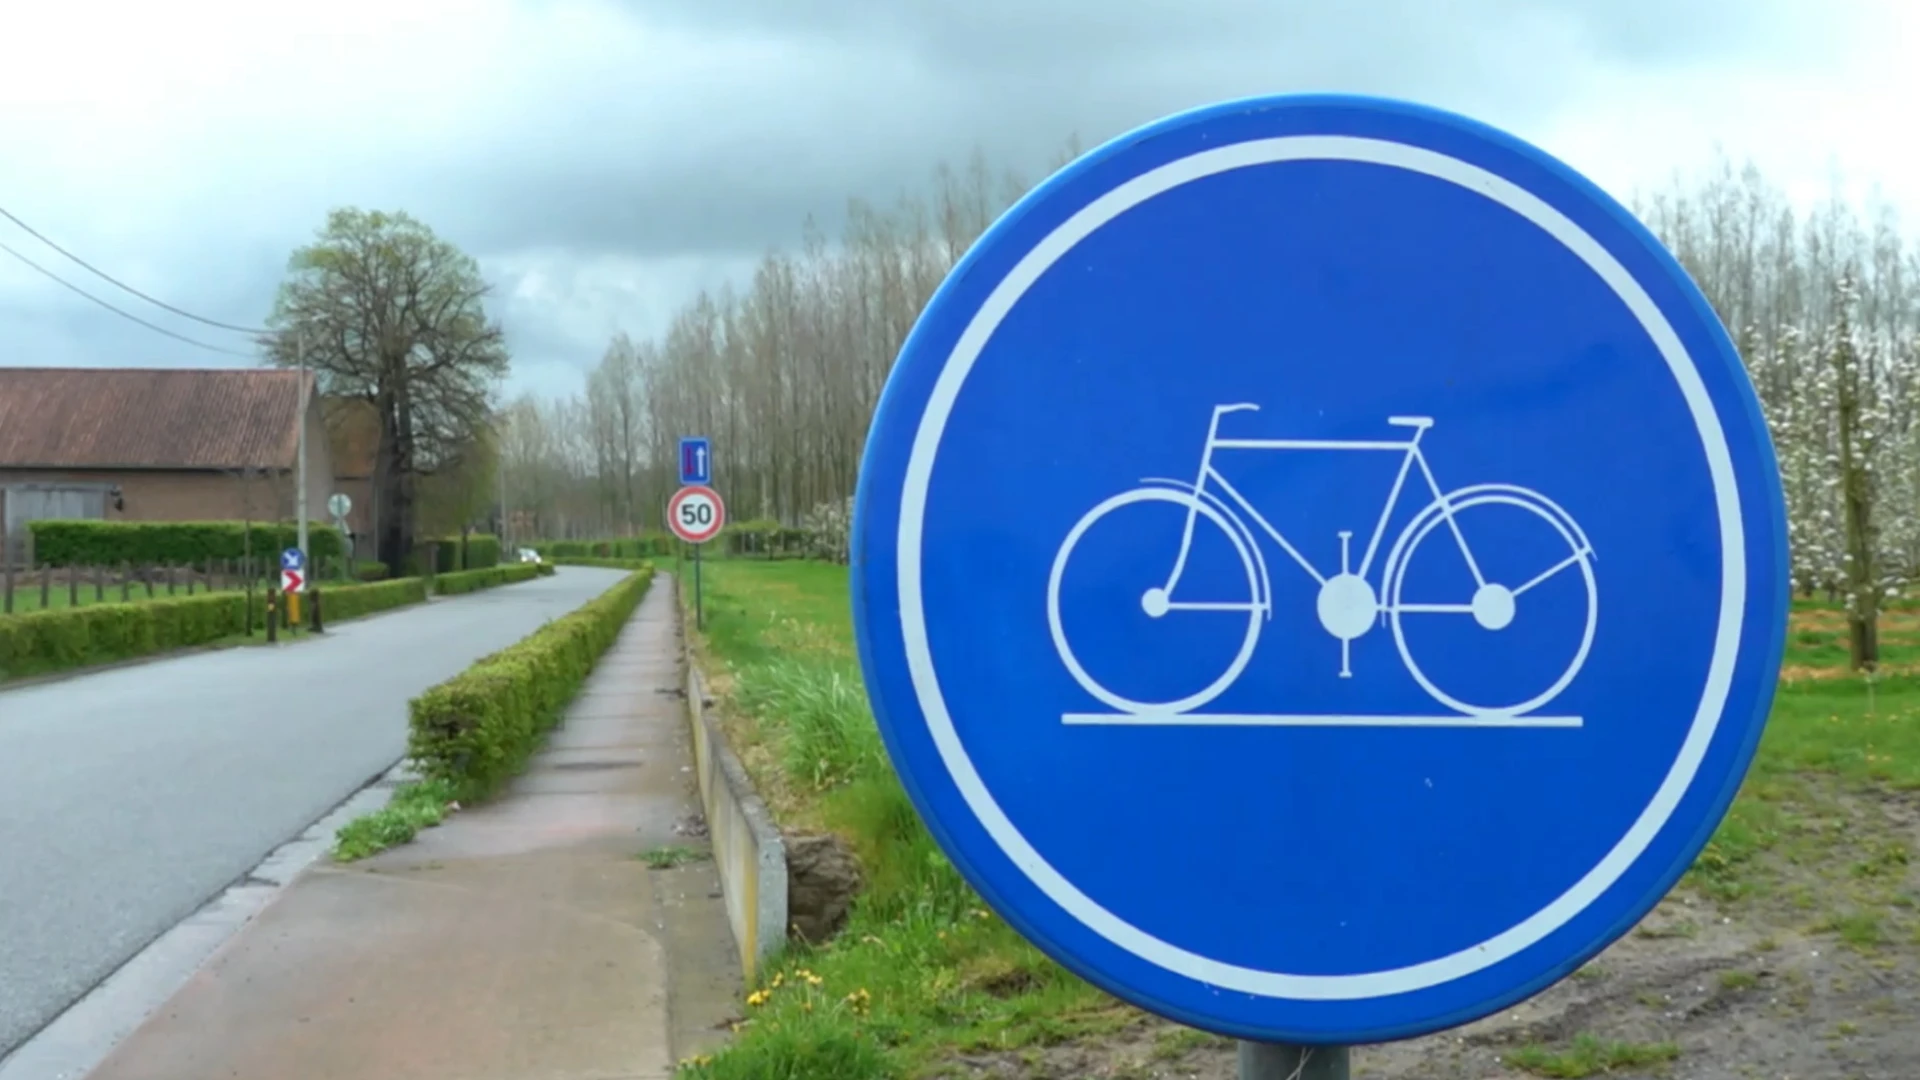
<point x="157" y="444"/>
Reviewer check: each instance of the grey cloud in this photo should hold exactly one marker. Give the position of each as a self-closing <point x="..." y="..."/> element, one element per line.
<point x="865" y="96"/>
<point x="620" y="191"/>
<point x="998" y="34"/>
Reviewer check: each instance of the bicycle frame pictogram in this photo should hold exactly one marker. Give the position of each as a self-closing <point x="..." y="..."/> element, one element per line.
<point x="1349" y="602"/>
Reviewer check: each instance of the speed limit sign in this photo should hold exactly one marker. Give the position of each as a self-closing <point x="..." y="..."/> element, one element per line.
<point x="695" y="513"/>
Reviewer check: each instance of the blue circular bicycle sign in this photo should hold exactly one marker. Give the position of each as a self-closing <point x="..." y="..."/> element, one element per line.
<point x="1320" y="569"/>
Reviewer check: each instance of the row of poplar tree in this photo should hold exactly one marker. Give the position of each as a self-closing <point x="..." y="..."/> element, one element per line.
<point x="784" y="371"/>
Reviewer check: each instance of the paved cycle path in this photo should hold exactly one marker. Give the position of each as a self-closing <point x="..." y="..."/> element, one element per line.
<point x="130" y="797"/>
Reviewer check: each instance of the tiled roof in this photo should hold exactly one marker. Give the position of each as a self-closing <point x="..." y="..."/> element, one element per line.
<point x="149" y="418"/>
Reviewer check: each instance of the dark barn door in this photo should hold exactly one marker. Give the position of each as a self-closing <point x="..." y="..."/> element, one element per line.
<point x="42" y="502"/>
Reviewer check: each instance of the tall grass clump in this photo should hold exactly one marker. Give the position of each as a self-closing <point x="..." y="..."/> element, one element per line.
<point x="922" y="967"/>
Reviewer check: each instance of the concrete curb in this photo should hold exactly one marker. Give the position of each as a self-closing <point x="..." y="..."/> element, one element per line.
<point x="747" y="846"/>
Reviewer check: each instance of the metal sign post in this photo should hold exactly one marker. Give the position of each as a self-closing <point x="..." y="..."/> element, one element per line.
<point x="293" y="582"/>
<point x="1295" y="488"/>
<point x="696" y="515"/>
<point x="340" y="504"/>
<point x="1273" y="1061"/>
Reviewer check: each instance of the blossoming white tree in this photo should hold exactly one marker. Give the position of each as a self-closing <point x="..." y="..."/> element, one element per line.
<point x="1824" y="305"/>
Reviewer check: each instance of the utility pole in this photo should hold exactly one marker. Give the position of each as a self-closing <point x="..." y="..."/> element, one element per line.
<point x="500" y="467"/>
<point x="300" y="477"/>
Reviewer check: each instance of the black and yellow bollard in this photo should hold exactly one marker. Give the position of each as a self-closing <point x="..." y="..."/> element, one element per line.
<point x="273" y="615"/>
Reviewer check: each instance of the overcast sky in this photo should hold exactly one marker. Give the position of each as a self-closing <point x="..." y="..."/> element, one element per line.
<point x="604" y="160"/>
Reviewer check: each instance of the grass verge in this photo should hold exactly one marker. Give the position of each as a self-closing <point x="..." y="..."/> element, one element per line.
<point x="923" y="969"/>
<point x="415" y="806"/>
<point x="1591" y="1056"/>
<point x="666" y="858"/>
<point x="923" y="974"/>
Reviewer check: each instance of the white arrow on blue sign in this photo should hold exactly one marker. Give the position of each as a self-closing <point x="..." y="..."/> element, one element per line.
<point x="293" y="559"/>
<point x="1320" y="569"/>
<point x="696" y="461"/>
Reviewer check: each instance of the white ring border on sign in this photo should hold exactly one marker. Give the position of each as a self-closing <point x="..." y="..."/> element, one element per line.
<point x="719" y="512"/>
<point x="920" y="665"/>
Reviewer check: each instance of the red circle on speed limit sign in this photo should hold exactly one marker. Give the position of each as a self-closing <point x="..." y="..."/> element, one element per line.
<point x="695" y="513"/>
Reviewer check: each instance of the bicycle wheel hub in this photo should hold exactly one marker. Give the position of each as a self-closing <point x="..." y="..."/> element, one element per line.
<point x="1347" y="606"/>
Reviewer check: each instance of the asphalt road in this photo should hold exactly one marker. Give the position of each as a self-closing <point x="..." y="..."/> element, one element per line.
<point x="129" y="798"/>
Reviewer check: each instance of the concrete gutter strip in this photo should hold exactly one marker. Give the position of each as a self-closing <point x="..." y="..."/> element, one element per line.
<point x="747" y="846"/>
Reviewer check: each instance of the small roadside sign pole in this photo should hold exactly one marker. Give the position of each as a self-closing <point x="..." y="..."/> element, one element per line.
<point x="339" y="504"/>
<point x="1418" y="718"/>
<point x="293" y="582"/>
<point x="696" y="515"/>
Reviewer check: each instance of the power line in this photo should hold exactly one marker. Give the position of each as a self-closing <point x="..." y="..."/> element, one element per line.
<point x="123" y="314"/>
<point x="36" y="234"/>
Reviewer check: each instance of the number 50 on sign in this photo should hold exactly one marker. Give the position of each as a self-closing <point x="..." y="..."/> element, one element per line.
<point x="695" y="513"/>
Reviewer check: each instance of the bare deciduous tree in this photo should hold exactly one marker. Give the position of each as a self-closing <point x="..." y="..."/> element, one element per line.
<point x="388" y="312"/>
<point x="1824" y="305"/>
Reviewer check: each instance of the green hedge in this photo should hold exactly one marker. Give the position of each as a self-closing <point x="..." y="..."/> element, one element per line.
<point x="466" y="581"/>
<point x="745" y="539"/>
<point x="179" y="543"/>
<point x="639" y="547"/>
<point x="482" y="551"/>
<point x="763" y="538"/>
<point x="353" y="601"/>
<point x="370" y="571"/>
<point x="59" y="639"/>
<point x="604" y="564"/>
<point x="477" y="730"/>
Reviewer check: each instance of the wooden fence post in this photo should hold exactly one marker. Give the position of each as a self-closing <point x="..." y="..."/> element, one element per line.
<point x="6" y="581"/>
<point x="99" y="583"/>
<point x="126" y="582"/>
<point x="46" y="587"/>
<point x="73" y="586"/>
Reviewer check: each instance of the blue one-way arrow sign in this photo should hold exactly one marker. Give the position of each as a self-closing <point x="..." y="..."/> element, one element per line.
<point x="696" y="461"/>
<point x="1406" y="583"/>
<point x="293" y="559"/>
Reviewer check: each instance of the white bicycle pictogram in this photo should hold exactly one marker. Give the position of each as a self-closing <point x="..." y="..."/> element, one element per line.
<point x="1349" y="603"/>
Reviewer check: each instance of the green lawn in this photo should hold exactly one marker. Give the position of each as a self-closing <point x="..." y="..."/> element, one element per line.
<point x="26" y="592"/>
<point x="924" y="972"/>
